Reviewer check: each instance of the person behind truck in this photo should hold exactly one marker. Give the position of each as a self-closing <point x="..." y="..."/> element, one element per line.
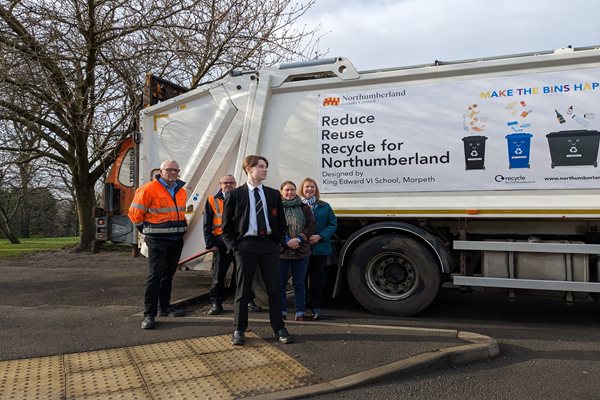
<point x="320" y="243"/>
<point x="213" y="221"/>
<point x="296" y="249"/>
<point x="253" y="227"/>
<point x="158" y="212"/>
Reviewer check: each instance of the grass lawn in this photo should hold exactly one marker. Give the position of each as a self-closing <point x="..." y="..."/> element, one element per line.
<point x="34" y="244"/>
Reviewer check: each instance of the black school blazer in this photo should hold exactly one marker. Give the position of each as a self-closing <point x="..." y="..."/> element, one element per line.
<point x="236" y="215"/>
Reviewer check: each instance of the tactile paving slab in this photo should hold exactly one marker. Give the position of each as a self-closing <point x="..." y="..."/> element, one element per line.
<point x="79" y="362"/>
<point x="264" y="379"/>
<point x="241" y="358"/>
<point x="105" y="380"/>
<point x="130" y="394"/>
<point x="199" y="368"/>
<point x="161" y="351"/>
<point x="206" y="388"/>
<point x="33" y="378"/>
<point x="174" y="369"/>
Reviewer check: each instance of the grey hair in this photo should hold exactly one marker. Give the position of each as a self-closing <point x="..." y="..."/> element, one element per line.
<point x="163" y="164"/>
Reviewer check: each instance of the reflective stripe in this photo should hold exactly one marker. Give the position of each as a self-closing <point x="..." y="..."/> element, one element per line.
<point x="164" y="210"/>
<point x="218" y="215"/>
<point x="215" y="204"/>
<point x="139" y="206"/>
<point x="149" y="207"/>
<point x="149" y="229"/>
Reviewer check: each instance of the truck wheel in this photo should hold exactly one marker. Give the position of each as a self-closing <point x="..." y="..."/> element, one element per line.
<point x="391" y="274"/>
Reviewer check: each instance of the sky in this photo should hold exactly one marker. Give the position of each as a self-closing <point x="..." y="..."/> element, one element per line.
<point x="377" y="34"/>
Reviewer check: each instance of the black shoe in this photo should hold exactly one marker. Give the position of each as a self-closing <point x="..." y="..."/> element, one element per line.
<point x="238" y="338"/>
<point x="171" y="312"/>
<point x="148" y="322"/>
<point x="317" y="316"/>
<point x="216" y="309"/>
<point x="253" y="307"/>
<point x="284" y="336"/>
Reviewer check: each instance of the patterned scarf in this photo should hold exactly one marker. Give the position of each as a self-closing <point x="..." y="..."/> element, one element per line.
<point x="294" y="216"/>
<point x="310" y="202"/>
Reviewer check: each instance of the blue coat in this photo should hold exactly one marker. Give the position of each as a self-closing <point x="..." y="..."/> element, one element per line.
<point x="326" y="227"/>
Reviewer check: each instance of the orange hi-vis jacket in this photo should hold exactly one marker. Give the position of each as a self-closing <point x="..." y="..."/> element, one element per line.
<point x="216" y="203"/>
<point x="156" y="213"/>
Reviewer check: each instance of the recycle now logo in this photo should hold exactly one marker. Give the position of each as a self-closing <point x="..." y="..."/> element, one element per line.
<point x="331" y="101"/>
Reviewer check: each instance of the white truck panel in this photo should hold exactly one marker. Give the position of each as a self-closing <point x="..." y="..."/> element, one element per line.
<point x="209" y="131"/>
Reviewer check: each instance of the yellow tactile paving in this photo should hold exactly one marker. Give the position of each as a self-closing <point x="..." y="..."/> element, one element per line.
<point x="242" y="358"/>
<point x="175" y="369"/>
<point x="34" y="378"/>
<point x="200" y="368"/>
<point x="265" y="379"/>
<point x="131" y="394"/>
<point x="104" y="380"/>
<point x="79" y="362"/>
<point x="206" y="388"/>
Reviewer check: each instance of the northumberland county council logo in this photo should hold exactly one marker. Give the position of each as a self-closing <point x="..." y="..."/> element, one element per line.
<point x="331" y="101"/>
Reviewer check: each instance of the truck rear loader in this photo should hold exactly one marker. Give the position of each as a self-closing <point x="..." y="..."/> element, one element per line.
<point x="477" y="173"/>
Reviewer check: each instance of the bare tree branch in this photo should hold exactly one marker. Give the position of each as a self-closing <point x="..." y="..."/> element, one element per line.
<point x="72" y="71"/>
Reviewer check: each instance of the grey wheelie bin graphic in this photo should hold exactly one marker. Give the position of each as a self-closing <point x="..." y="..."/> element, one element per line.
<point x="579" y="147"/>
<point x="474" y="152"/>
<point x="518" y="149"/>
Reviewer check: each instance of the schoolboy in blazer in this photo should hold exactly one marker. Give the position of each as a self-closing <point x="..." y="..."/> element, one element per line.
<point x="255" y="248"/>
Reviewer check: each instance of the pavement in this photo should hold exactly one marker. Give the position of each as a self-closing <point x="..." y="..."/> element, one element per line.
<point x="70" y="329"/>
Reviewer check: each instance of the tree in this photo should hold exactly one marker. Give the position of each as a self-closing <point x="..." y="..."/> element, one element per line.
<point x="8" y="199"/>
<point x="71" y="72"/>
<point x="28" y="199"/>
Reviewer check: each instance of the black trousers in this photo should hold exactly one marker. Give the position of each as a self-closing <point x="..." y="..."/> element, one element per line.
<point x="315" y="278"/>
<point x="252" y="254"/>
<point x="163" y="257"/>
<point x="221" y="262"/>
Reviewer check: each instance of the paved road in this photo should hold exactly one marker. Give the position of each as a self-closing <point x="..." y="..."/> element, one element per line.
<point x="549" y="350"/>
<point x="57" y="304"/>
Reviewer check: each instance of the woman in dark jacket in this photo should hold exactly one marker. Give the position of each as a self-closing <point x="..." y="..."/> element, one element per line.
<point x="320" y="242"/>
<point x="296" y="249"/>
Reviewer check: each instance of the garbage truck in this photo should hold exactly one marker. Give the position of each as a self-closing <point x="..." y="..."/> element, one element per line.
<point x="472" y="173"/>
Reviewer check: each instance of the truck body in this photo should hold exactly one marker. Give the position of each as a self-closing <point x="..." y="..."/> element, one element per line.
<point x="478" y="172"/>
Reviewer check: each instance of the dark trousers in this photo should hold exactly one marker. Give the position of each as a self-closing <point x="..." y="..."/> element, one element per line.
<point x="315" y="278"/>
<point x="221" y="262"/>
<point x="163" y="257"/>
<point x="254" y="253"/>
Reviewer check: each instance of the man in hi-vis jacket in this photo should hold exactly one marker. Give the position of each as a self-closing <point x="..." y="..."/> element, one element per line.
<point x="158" y="212"/>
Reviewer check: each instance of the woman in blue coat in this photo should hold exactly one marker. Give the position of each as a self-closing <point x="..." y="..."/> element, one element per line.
<point x="320" y="242"/>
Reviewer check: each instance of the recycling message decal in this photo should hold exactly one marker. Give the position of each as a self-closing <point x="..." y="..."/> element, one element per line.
<point x="534" y="131"/>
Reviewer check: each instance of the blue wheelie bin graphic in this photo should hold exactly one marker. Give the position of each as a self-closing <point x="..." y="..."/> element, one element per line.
<point x="518" y="149"/>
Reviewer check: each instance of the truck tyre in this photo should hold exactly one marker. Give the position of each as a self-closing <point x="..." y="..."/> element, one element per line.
<point x="395" y="275"/>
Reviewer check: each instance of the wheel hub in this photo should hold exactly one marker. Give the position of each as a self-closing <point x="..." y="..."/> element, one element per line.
<point x="392" y="276"/>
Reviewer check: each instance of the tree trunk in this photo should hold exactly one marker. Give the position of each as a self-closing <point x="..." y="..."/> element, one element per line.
<point x="86" y="201"/>
<point x="24" y="203"/>
<point x="5" y="229"/>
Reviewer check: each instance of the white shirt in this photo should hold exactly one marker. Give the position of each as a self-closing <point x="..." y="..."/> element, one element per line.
<point x="252" y="224"/>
